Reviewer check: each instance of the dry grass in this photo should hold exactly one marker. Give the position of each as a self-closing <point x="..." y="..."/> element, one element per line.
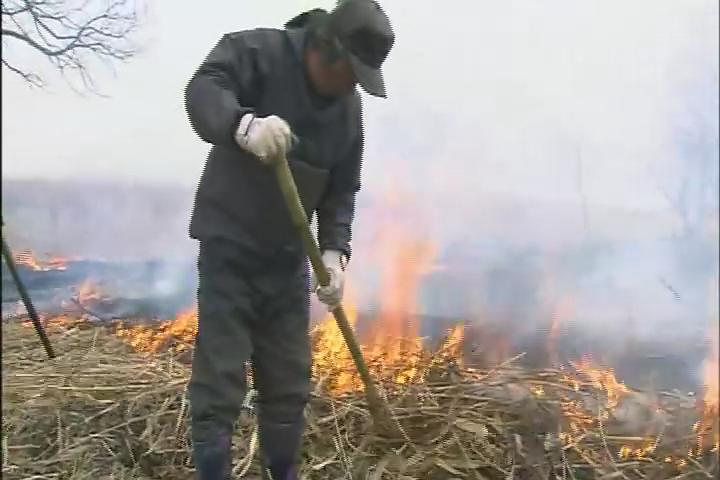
<point x="102" y="411"/>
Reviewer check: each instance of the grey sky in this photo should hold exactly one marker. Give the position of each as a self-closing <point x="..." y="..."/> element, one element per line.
<point x="484" y="97"/>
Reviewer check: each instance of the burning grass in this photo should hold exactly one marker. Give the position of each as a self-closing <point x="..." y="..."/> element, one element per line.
<point x="104" y="410"/>
<point x="27" y="259"/>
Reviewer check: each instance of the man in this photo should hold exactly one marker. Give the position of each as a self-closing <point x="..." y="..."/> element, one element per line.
<point x="260" y="95"/>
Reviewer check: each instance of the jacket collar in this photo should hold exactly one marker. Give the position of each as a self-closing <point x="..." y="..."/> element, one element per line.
<point x="297" y="38"/>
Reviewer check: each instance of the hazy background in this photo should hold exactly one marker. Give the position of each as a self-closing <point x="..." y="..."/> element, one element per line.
<point x="545" y="160"/>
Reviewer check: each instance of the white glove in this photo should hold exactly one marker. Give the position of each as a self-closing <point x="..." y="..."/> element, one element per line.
<point x="265" y="137"/>
<point x="331" y="294"/>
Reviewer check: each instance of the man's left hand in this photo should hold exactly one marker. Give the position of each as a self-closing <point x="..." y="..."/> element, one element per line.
<point x="331" y="294"/>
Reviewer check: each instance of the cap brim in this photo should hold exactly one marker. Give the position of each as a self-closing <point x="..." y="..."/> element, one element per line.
<point x="369" y="78"/>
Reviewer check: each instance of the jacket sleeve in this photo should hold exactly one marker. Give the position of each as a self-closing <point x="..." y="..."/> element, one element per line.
<point x="224" y="88"/>
<point x="336" y="210"/>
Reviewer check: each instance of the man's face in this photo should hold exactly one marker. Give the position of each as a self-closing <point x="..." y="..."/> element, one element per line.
<point x="330" y="79"/>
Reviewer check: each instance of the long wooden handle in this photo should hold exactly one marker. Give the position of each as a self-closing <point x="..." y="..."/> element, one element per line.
<point x="301" y="223"/>
<point x="25" y="296"/>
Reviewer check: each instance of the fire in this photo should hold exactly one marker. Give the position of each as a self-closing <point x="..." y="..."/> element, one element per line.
<point x="393" y="348"/>
<point x="57" y="321"/>
<point x="402" y="364"/>
<point x="26" y="258"/>
<point x="331" y="357"/>
<point x="627" y="452"/>
<point x="394" y="340"/>
<point x="57" y="263"/>
<point x="708" y="427"/>
<point x="562" y="312"/>
<point x="604" y="379"/>
<point x="710" y="398"/>
<point x="453" y="344"/>
<point x="179" y="331"/>
<point x="90" y="292"/>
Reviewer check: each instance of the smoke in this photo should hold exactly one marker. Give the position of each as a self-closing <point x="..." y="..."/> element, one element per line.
<point x="549" y="151"/>
<point x="585" y="133"/>
<point x="105" y="219"/>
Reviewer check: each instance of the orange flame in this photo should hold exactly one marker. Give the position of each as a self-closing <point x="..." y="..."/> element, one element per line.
<point x="57" y="321"/>
<point x="331" y="357"/>
<point x="27" y="258"/>
<point x="561" y="313"/>
<point x="708" y="427"/>
<point x="710" y="398"/>
<point x="451" y="349"/>
<point x="604" y="379"/>
<point x="179" y="332"/>
<point x="394" y="339"/>
<point x="392" y="348"/>
<point x="90" y="292"/>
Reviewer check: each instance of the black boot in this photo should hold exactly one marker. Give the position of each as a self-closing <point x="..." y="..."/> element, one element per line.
<point x="280" y="444"/>
<point x="212" y="458"/>
<point x="289" y="474"/>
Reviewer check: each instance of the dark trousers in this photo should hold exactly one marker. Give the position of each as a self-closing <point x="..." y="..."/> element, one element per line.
<point x="249" y="310"/>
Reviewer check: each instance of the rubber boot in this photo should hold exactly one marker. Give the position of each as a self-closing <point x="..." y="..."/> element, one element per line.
<point x="212" y="458"/>
<point x="280" y="444"/>
<point x="290" y="474"/>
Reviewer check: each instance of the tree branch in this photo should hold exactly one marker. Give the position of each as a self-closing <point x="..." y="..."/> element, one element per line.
<point x="30" y="78"/>
<point x="70" y="35"/>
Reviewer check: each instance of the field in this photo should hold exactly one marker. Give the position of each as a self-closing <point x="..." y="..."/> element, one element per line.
<point x="113" y="405"/>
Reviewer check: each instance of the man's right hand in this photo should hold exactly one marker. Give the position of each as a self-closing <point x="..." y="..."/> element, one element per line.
<point x="266" y="137"/>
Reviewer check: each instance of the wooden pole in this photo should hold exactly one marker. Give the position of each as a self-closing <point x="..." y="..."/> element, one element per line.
<point x="26" y="299"/>
<point x="300" y="221"/>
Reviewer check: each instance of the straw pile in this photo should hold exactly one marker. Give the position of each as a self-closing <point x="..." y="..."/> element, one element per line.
<point x="102" y="411"/>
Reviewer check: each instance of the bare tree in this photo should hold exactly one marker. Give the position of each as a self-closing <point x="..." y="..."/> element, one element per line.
<point x="70" y="34"/>
<point x="693" y="192"/>
<point x="690" y="179"/>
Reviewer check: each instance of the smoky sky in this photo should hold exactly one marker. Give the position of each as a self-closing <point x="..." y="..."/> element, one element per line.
<point x="514" y="131"/>
<point x="484" y="97"/>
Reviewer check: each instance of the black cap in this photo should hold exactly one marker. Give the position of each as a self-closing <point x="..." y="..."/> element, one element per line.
<point x="364" y="31"/>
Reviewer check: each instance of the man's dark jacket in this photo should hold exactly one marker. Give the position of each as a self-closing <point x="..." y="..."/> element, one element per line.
<point x="238" y="198"/>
